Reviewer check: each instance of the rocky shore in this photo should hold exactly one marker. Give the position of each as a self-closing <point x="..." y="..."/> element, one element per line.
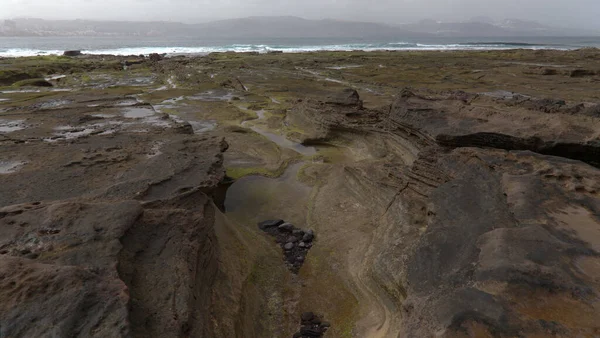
<point x="424" y="193"/>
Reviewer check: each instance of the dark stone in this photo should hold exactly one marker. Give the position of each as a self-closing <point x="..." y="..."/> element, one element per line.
<point x="286" y="227"/>
<point x="288" y="237"/>
<point x="592" y="111"/>
<point x="308" y="236"/>
<point x="87" y="118"/>
<point x="184" y="128"/>
<point x="154" y="57"/>
<point x="269" y="224"/>
<point x="307" y="316"/>
<point x="72" y="53"/>
<point x="316" y="320"/>
<point x="582" y="73"/>
<point x="325" y="324"/>
<point x="311" y="331"/>
<point x="297" y="335"/>
<point x="347" y="97"/>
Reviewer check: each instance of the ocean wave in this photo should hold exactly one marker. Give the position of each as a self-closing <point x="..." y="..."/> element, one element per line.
<point x="264" y="48"/>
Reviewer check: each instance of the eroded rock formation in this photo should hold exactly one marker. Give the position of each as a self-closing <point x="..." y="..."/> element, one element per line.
<point x="113" y="234"/>
<point x="491" y="217"/>
<point x="439" y="212"/>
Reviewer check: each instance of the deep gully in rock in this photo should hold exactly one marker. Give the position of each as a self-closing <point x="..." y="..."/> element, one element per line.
<point x="251" y="200"/>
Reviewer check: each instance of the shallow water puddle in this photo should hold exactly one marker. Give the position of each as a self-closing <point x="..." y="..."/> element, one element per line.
<point x="203" y="126"/>
<point x="53" y="104"/>
<point x="503" y="94"/>
<point x="138" y="113"/>
<point x="255" y="198"/>
<point x="344" y="67"/>
<point x="213" y="95"/>
<point x="126" y="103"/>
<point x="8" y="167"/>
<point x="7" y="126"/>
<point x="70" y="133"/>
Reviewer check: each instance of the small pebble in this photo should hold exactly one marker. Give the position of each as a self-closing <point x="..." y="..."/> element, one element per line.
<point x="298" y="233"/>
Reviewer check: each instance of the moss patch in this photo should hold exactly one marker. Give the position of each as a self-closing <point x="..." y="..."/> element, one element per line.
<point x="238" y="172"/>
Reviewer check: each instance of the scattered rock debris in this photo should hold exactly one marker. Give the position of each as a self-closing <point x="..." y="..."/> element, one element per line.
<point x="312" y="326"/>
<point x="294" y="242"/>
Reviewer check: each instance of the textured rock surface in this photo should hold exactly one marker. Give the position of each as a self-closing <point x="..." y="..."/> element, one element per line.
<point x="466" y="205"/>
<point x="112" y="234"/>
<point x="481" y="213"/>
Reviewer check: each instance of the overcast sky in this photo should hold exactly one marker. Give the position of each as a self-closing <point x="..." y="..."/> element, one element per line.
<point x="570" y="13"/>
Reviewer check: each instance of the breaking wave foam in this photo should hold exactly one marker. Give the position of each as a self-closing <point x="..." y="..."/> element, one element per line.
<point x="394" y="46"/>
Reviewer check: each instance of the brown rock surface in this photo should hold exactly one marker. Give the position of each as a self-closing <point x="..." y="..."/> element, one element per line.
<point x="464" y="206"/>
<point x="499" y="201"/>
<point x="111" y="232"/>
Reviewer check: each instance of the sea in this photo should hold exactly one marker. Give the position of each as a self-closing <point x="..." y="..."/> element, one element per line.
<point x="35" y="46"/>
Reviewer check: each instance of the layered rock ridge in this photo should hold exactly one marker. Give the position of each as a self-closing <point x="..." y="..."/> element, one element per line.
<point x="481" y="214"/>
<point x="117" y="235"/>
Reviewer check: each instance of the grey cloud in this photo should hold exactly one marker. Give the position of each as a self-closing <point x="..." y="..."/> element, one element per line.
<point x="570" y="13"/>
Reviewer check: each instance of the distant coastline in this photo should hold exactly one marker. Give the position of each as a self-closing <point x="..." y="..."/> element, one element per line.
<point x="283" y="27"/>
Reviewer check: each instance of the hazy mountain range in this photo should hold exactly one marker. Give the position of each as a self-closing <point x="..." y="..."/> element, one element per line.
<point x="284" y="27"/>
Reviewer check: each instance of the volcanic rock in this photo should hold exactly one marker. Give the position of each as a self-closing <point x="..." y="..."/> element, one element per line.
<point x="312" y="326"/>
<point x="307" y="317"/>
<point x="155" y="57"/>
<point x="72" y="53"/>
<point x="117" y="236"/>
<point x="269" y="224"/>
<point x="347" y="97"/>
<point x="288" y="227"/>
<point x="582" y="73"/>
<point x="308" y="236"/>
